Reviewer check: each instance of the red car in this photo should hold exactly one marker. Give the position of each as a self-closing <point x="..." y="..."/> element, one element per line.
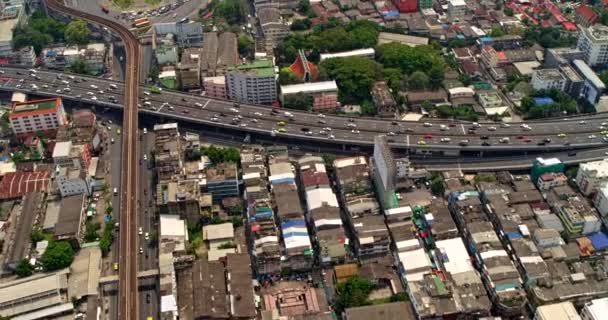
<point x="527" y="140"/>
<point x="428" y="136"/>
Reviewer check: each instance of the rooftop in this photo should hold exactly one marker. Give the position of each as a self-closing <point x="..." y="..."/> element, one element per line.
<point x="589" y="74"/>
<point x="70" y="216"/>
<point x="260" y="67"/>
<point x="549" y="74"/>
<point x="33" y="107"/>
<point x="389" y="311"/>
<point x="310" y="87"/>
<point x="359" y="52"/>
<point x="558" y="311"/>
<point x="218" y="231"/>
<point x="386" y="37"/>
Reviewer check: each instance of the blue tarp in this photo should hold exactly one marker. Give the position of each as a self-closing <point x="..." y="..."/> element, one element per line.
<point x="390" y="13"/>
<point x="485" y="39"/>
<point x="284" y="180"/>
<point x="599" y="241"/>
<point x="293" y="223"/>
<point x="295" y="234"/>
<point x="514" y="235"/>
<point x="541" y="101"/>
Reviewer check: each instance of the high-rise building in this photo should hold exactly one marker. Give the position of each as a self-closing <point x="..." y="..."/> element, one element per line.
<point x="385" y="172"/>
<point x="252" y="83"/>
<point x="591" y="175"/>
<point x="37" y="115"/>
<point x="593" y="41"/>
<point x="541" y="166"/>
<point x="456" y="9"/>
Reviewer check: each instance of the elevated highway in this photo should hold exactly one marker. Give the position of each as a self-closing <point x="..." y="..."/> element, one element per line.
<point x="128" y="291"/>
<point x="443" y="136"/>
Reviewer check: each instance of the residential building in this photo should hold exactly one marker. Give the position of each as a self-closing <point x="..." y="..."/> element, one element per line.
<point x="253" y="83"/>
<point x="222" y="180"/>
<point x="189" y="69"/>
<point x="173" y="230"/>
<point x="594" y="310"/>
<point x="94" y="56"/>
<point x="600" y="200"/>
<point x="71" y="221"/>
<point x="181" y="197"/>
<point x="37" y="115"/>
<point x="324" y="95"/>
<point x="585" y="16"/>
<point x="593" y="87"/>
<point x="219" y="239"/>
<point x="591" y="175"/>
<point x="551" y="180"/>
<point x="556" y="57"/>
<point x="25" y="57"/>
<point x="546" y="79"/>
<point x="574" y="82"/>
<point x="541" y="166"/>
<point x="43" y="293"/>
<point x="168" y="156"/>
<point x="215" y="87"/>
<point x="184" y="34"/>
<point x="371" y="236"/>
<point x="68" y="155"/>
<point x="218" y="53"/>
<point x="386" y="106"/>
<point x="166" y="54"/>
<point x="240" y="286"/>
<point x="387" y="311"/>
<point x="273" y="27"/>
<point x="72" y="181"/>
<point x="558" y="311"/>
<point x="593" y="42"/>
<point x="489" y="99"/>
<point x="456" y="9"/>
<point x="363" y="53"/>
<point x="546" y="238"/>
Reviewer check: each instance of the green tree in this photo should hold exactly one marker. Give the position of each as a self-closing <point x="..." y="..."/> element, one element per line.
<point x="301" y="24"/>
<point x="298" y="101"/>
<point x="409" y="59"/>
<point x="37" y="235"/>
<point x="245" y="45"/>
<point x="352" y="293"/>
<point x="305" y="8"/>
<point x="58" y="255"/>
<point x="231" y="10"/>
<point x="24" y="269"/>
<point x="496" y="32"/>
<point x="418" y="80"/>
<point x="153" y="72"/>
<point x="77" y="32"/>
<point x="91" y="229"/>
<point x="393" y="77"/>
<point x="368" y="108"/>
<point x="79" y="66"/>
<point x="508" y="12"/>
<point x="30" y="37"/>
<point x="465" y="79"/>
<point x="354" y="76"/>
<point x="287" y="77"/>
<point x="604" y="77"/>
<point x="437" y="187"/>
<point x="436" y="76"/>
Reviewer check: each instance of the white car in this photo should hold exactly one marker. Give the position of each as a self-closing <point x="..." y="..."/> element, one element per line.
<point x="254" y="120"/>
<point x="141" y="250"/>
<point x="355" y="131"/>
<point x="146" y="93"/>
<point x="147" y="236"/>
<point x="141" y="231"/>
<point x="94" y="98"/>
<point x="257" y="114"/>
<point x="198" y="105"/>
<point x="428" y="124"/>
<point x="90" y="93"/>
<point x="235" y="110"/>
<point x="445" y="139"/>
<point x="94" y="87"/>
<point x="145" y="157"/>
<point x="592" y="136"/>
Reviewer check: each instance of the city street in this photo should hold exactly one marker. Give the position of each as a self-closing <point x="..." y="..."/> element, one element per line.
<point x="147" y="221"/>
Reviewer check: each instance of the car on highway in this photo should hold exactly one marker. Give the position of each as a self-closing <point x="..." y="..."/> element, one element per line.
<point x="561" y="135"/>
<point x="117" y="131"/>
<point x="320" y="115"/>
<point x="90" y="93"/>
<point x="443" y="127"/>
<point x="145" y="157"/>
<point x="331" y="136"/>
<point x="94" y="87"/>
<point x="571" y="153"/>
<point x="115" y="266"/>
<point x="391" y="134"/>
<point x="491" y="128"/>
<point x="463" y="142"/>
<point x="215" y="119"/>
<point x="112" y="140"/>
<point x="484" y="137"/>
<point x="113" y="86"/>
<point x="355" y="131"/>
<point x="281" y="130"/>
<point x="94" y="98"/>
<point x="234" y="110"/>
<point x="445" y="140"/>
<point x="147" y="236"/>
<point x="351" y="125"/>
<point x="141" y="250"/>
<point x="422" y="142"/>
<point x="141" y="231"/>
<point x="486" y="144"/>
<point x="504" y="140"/>
<point x="257" y="114"/>
<point x="428" y="124"/>
<point x="281" y="123"/>
<point x="198" y="104"/>
<point x="592" y="136"/>
<point x="582" y="122"/>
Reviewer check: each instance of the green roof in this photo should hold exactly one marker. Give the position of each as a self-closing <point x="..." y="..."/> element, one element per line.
<point x="260" y="67"/>
<point x="439" y="285"/>
<point x="35" y="105"/>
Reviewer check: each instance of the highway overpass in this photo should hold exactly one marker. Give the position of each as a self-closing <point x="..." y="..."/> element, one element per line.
<point x="436" y="137"/>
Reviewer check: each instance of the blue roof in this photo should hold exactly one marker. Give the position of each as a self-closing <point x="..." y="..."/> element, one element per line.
<point x="293" y="223"/>
<point x="514" y="235"/>
<point x="486" y="39"/>
<point x="599" y="240"/>
<point x="295" y="234"/>
<point x="541" y="101"/>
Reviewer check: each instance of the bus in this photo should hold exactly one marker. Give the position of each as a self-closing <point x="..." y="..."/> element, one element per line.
<point x="143" y="24"/>
<point x="138" y="20"/>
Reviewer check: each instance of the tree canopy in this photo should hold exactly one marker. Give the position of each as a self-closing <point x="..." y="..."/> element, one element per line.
<point x="549" y="37"/>
<point x="562" y="102"/>
<point x="77" y="32"/>
<point x="354" y="76"/>
<point x="231" y="10"/>
<point x="245" y="45"/>
<point x="217" y="155"/>
<point x="299" y="101"/>
<point x="39" y="32"/>
<point x="58" y="255"/>
<point x="79" y="66"/>
<point x="352" y="293"/>
<point x="24" y="269"/>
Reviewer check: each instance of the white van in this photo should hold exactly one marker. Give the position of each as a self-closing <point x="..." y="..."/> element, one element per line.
<point x="115" y="191"/>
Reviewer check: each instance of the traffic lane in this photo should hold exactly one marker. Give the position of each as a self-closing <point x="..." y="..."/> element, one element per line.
<point x="294" y="128"/>
<point x="148" y="298"/>
<point x="268" y="125"/>
<point x="148" y="255"/>
<point x="570" y="125"/>
<point x="378" y="125"/>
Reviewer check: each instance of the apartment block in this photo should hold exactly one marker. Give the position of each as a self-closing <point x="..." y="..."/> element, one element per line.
<point x="37" y="115"/>
<point x="253" y="83"/>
